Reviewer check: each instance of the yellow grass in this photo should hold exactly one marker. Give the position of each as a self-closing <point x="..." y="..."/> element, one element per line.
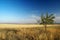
<point x="29" y="32"/>
<point x="25" y="25"/>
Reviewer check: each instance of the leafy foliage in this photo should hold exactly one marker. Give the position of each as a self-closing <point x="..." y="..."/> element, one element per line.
<point x="47" y="19"/>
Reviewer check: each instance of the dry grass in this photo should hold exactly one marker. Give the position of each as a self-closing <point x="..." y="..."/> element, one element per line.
<point x="29" y="32"/>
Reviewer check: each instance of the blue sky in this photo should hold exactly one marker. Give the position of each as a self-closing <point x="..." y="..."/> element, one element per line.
<point x="25" y="11"/>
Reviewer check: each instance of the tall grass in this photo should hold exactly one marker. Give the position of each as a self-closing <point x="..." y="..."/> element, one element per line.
<point x="37" y="33"/>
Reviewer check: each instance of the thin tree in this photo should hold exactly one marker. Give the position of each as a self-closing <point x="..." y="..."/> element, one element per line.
<point x="47" y="19"/>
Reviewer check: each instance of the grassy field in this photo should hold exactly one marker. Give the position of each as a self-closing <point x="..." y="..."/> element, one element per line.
<point x="29" y="32"/>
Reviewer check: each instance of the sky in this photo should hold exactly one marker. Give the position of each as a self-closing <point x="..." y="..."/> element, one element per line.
<point x="27" y="11"/>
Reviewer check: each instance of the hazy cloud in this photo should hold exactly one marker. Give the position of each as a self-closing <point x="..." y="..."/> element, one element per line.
<point x="35" y="17"/>
<point x="57" y="19"/>
<point x="31" y="19"/>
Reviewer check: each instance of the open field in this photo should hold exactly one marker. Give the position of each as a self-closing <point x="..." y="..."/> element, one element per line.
<point x="25" y="25"/>
<point x="29" y="32"/>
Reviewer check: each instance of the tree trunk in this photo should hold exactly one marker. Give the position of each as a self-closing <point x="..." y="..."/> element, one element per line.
<point x="46" y="32"/>
<point x="45" y="28"/>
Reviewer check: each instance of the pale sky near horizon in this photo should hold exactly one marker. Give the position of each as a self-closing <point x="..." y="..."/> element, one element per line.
<point x="25" y="11"/>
